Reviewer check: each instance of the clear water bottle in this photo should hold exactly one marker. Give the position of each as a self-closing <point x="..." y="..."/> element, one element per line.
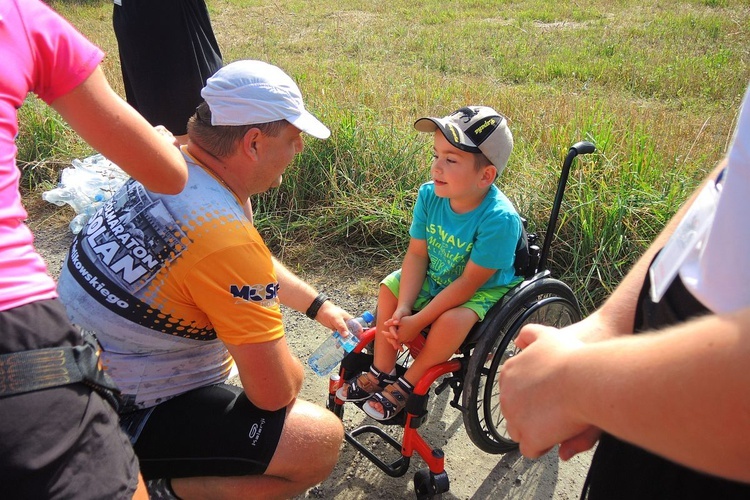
<point x="330" y="353"/>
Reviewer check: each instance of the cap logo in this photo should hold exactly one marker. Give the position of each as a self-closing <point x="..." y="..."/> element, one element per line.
<point x="483" y="126"/>
<point x="456" y="137"/>
<point x="481" y="130"/>
<point x="466" y="114"/>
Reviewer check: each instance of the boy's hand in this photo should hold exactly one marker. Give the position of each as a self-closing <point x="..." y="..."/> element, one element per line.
<point x="401" y="330"/>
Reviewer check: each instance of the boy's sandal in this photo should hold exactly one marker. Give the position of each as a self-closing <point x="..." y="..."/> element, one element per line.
<point x="361" y="387"/>
<point x="392" y="399"/>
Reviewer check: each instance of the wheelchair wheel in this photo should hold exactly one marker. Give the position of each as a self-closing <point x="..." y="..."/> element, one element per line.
<point x="545" y="301"/>
<point x="429" y="486"/>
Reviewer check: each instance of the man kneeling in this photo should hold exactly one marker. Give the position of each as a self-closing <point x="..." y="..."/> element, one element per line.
<point x="179" y="288"/>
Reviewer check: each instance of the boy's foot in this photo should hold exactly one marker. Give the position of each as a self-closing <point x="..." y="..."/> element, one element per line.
<point x="364" y="385"/>
<point x="390" y="401"/>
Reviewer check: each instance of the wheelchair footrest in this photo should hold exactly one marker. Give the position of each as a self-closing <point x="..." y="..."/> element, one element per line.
<point x="397" y="468"/>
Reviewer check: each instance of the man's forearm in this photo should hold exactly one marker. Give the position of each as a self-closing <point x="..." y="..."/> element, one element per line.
<point x="293" y="291"/>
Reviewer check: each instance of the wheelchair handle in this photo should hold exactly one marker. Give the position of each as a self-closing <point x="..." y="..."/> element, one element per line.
<point x="579" y="148"/>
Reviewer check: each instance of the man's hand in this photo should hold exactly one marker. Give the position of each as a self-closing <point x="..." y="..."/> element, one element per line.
<point x="333" y="317"/>
<point x="533" y="399"/>
<point x="164" y="132"/>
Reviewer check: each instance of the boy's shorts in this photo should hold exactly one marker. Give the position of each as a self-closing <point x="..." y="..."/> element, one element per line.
<point x="480" y="303"/>
<point x="61" y="442"/>
<point x="211" y="431"/>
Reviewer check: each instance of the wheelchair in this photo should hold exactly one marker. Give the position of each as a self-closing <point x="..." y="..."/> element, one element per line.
<point x="473" y="372"/>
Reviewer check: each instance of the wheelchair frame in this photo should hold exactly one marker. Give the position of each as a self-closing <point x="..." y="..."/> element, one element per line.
<point x="473" y="373"/>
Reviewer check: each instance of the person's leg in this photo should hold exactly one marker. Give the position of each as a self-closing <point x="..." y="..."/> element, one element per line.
<point x="382" y="372"/>
<point x="167" y="52"/>
<point x="213" y="443"/>
<point x="306" y="454"/>
<point x="385" y="355"/>
<point x="446" y="335"/>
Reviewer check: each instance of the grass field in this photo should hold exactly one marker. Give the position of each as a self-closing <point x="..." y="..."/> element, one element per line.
<point x="655" y="85"/>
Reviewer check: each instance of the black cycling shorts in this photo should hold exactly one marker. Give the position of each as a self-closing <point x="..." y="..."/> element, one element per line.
<point x="62" y="442"/>
<point x="212" y="431"/>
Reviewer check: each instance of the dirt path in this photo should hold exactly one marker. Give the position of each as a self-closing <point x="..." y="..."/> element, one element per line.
<point x="473" y="474"/>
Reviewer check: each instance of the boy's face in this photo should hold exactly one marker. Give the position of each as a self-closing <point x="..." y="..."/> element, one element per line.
<point x="456" y="177"/>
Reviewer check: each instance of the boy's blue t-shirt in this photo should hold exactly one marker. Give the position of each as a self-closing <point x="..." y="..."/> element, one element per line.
<point x="488" y="235"/>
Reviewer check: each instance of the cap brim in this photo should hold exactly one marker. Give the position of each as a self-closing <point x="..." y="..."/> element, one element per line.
<point x="427" y="124"/>
<point x="310" y="125"/>
<point x="452" y="133"/>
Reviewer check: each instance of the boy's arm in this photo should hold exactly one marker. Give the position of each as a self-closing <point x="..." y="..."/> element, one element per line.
<point x="457" y="293"/>
<point x="413" y="273"/>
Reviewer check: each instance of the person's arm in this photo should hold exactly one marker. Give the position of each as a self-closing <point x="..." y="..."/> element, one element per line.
<point x="617" y="314"/>
<point x="401" y="327"/>
<point x="271" y="376"/>
<point x="683" y="393"/>
<point x="413" y="272"/>
<point x="297" y="294"/>
<point x="116" y="130"/>
<point x="614" y="319"/>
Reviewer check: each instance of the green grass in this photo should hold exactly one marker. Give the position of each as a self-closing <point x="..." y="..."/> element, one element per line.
<point x="654" y="84"/>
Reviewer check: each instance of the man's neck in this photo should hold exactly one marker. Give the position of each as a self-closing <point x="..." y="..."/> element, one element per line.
<point x="216" y="166"/>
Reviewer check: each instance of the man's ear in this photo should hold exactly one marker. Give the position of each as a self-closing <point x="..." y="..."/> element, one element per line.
<point x="251" y="142"/>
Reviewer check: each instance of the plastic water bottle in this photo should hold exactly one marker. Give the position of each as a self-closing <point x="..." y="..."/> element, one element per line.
<point x="330" y="353"/>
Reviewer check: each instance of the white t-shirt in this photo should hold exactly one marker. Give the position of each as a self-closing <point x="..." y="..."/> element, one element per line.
<point x="717" y="271"/>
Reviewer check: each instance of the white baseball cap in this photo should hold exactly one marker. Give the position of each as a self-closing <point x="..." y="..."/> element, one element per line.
<point x="250" y="92"/>
<point x="476" y="129"/>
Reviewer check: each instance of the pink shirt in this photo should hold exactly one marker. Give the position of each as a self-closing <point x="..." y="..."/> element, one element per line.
<point x="40" y="53"/>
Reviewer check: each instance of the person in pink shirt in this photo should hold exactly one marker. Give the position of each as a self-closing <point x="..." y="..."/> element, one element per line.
<point x="53" y="430"/>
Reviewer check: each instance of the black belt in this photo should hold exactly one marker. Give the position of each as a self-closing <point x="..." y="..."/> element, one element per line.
<point x="27" y="371"/>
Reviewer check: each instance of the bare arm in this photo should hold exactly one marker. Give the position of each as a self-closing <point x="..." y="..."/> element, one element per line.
<point x="271" y="376"/>
<point x="642" y="387"/>
<point x="683" y="393"/>
<point x="412" y="277"/>
<point x="413" y="272"/>
<point x="118" y="132"/>
<point x="297" y="294"/>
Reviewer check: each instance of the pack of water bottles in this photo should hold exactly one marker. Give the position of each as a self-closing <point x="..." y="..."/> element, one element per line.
<point x="85" y="186"/>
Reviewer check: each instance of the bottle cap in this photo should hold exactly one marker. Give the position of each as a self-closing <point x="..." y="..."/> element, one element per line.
<point x="367" y="316"/>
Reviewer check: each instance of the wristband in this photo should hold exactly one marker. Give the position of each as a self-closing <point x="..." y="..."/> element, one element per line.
<point x="312" y="311"/>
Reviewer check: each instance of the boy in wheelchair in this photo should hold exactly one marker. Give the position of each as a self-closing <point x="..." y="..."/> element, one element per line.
<point x="459" y="262"/>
